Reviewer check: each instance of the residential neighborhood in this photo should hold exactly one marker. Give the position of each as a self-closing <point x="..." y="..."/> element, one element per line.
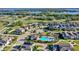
<point x="39" y="29"/>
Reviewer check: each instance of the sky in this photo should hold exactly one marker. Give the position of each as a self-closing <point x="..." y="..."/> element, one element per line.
<point x="39" y="3"/>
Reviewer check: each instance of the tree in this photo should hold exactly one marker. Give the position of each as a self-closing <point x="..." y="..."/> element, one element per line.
<point x="35" y="48"/>
<point x="19" y="23"/>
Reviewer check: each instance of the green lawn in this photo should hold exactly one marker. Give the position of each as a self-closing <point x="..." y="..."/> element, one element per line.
<point x="76" y="41"/>
<point x="7" y="48"/>
<point x="76" y="48"/>
<point x="34" y="20"/>
<point x="1" y="25"/>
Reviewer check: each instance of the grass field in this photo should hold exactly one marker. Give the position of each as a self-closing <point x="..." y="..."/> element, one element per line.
<point x="1" y="25"/>
<point x="7" y="48"/>
<point x="76" y="48"/>
<point x="34" y="20"/>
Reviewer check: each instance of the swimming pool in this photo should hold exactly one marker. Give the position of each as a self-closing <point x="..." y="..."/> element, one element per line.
<point x="45" y="38"/>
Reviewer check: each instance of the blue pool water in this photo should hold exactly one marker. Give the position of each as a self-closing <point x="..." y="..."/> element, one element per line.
<point x="45" y="38"/>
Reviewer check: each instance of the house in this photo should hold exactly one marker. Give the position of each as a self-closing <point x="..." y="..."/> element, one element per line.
<point x="25" y="27"/>
<point x="9" y="40"/>
<point x="32" y="37"/>
<point x="70" y="35"/>
<point x="61" y="35"/>
<point x="64" y="46"/>
<point x="21" y="41"/>
<point x="56" y="48"/>
<point x="2" y="42"/>
<point x="22" y="30"/>
<point x="19" y="31"/>
<point x="26" y="46"/>
<point x="62" y="26"/>
<point x="49" y="48"/>
<point x="16" y="48"/>
<point x="53" y="48"/>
